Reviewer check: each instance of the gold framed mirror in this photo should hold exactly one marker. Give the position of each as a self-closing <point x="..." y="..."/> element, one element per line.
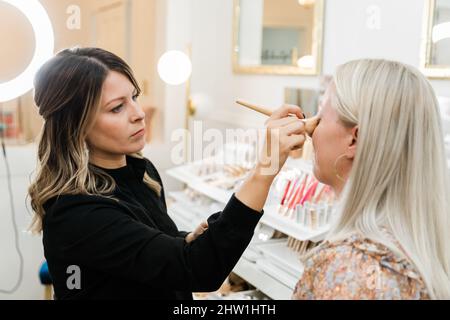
<point x="435" y="55"/>
<point x="281" y="37"/>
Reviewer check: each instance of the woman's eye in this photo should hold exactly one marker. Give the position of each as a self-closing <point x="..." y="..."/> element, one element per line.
<point x="135" y="97"/>
<point x="117" y="109"/>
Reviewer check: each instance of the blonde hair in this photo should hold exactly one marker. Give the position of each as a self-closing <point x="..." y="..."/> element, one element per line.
<point x="399" y="177"/>
<point x="67" y="93"/>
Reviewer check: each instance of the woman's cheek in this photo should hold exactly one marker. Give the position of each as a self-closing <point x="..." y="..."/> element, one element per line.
<point x="115" y="129"/>
<point x="316" y="158"/>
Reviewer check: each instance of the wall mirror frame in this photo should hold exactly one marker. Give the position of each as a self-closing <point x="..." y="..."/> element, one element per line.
<point x="314" y="61"/>
<point x="428" y="55"/>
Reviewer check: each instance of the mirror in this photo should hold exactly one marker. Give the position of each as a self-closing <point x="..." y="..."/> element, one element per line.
<point x="278" y="36"/>
<point x="308" y="99"/>
<point x="435" y="56"/>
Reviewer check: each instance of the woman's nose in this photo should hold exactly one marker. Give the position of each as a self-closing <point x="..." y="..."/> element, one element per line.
<point x="138" y="113"/>
<point x="140" y="116"/>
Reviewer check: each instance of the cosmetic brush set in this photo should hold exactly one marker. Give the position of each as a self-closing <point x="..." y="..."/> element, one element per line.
<point x="300" y="247"/>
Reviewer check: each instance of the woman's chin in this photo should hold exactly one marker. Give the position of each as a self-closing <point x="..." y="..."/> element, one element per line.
<point x="136" y="147"/>
<point x="316" y="172"/>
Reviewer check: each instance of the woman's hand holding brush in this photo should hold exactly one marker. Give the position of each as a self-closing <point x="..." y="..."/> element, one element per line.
<point x="284" y="133"/>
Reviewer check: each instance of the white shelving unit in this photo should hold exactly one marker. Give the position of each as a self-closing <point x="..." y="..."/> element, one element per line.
<point x="269" y="284"/>
<point x="183" y="174"/>
<point x="270" y="217"/>
<point x="289" y="227"/>
<point x="273" y="269"/>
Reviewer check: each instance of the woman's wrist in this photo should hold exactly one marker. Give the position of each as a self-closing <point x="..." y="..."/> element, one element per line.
<point x="261" y="176"/>
<point x="189" y="237"/>
<point x="253" y="192"/>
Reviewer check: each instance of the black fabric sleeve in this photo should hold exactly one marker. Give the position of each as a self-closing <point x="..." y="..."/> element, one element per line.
<point x="182" y="234"/>
<point x="100" y="235"/>
<point x="153" y="172"/>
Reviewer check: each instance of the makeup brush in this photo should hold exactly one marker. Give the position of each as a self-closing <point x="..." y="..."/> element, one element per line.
<point x="310" y="123"/>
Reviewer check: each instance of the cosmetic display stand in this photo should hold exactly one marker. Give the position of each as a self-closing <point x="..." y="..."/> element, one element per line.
<point x="268" y="264"/>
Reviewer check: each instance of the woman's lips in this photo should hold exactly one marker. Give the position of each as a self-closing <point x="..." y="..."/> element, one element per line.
<point x="139" y="133"/>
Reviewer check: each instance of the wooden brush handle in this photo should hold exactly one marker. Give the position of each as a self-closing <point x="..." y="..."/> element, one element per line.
<point x="255" y="108"/>
<point x="310" y="123"/>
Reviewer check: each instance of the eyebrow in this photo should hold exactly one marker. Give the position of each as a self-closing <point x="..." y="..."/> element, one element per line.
<point x="115" y="99"/>
<point x="120" y="98"/>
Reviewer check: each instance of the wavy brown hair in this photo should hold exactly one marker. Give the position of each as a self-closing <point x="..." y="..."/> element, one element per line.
<point x="68" y="88"/>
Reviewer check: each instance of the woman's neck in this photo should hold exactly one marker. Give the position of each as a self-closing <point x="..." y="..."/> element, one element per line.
<point x="338" y="187"/>
<point x="108" y="161"/>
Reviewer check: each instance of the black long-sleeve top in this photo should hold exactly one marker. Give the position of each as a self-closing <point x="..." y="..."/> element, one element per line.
<point x="131" y="249"/>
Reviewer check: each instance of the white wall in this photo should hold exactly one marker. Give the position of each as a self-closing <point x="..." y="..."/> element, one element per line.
<point x="173" y="32"/>
<point x="22" y="163"/>
<point x="346" y="36"/>
<point x="250" y="29"/>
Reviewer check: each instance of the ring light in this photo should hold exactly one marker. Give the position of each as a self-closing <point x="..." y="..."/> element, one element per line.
<point x="43" y="33"/>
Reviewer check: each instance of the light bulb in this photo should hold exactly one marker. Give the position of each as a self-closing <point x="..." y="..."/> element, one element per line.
<point x="43" y="33"/>
<point x="174" y="67"/>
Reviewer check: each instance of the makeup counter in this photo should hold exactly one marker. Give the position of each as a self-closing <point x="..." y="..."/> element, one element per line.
<point x="296" y="216"/>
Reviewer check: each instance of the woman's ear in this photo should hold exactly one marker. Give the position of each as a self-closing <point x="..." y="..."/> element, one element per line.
<point x="351" y="152"/>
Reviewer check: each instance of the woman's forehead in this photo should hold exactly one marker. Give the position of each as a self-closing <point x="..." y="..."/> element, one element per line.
<point x="115" y="86"/>
<point x="116" y="81"/>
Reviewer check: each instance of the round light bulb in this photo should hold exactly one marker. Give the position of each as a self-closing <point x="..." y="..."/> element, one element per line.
<point x="174" y="67"/>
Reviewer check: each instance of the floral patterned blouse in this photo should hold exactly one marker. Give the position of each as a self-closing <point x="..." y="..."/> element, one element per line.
<point x="358" y="268"/>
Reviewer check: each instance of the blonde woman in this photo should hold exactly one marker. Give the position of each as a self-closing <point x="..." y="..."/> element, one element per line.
<point x="379" y="144"/>
<point x="100" y="204"/>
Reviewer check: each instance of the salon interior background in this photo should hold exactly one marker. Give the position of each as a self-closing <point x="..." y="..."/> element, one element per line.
<point x="157" y="26"/>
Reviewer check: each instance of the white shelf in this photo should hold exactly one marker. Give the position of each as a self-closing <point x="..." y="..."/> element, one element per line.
<point x="182" y="174"/>
<point x="284" y="257"/>
<point x="267" y="284"/>
<point x="285" y="278"/>
<point x="202" y="212"/>
<point x="270" y="217"/>
<point x="291" y="228"/>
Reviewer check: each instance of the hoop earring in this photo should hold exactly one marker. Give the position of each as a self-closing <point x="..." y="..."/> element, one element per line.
<point x="335" y="168"/>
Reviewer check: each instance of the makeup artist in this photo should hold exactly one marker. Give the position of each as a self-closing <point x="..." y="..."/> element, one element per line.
<point x="100" y="204"/>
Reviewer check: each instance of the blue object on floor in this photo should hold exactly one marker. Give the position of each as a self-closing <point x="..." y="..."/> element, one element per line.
<point x="44" y="274"/>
